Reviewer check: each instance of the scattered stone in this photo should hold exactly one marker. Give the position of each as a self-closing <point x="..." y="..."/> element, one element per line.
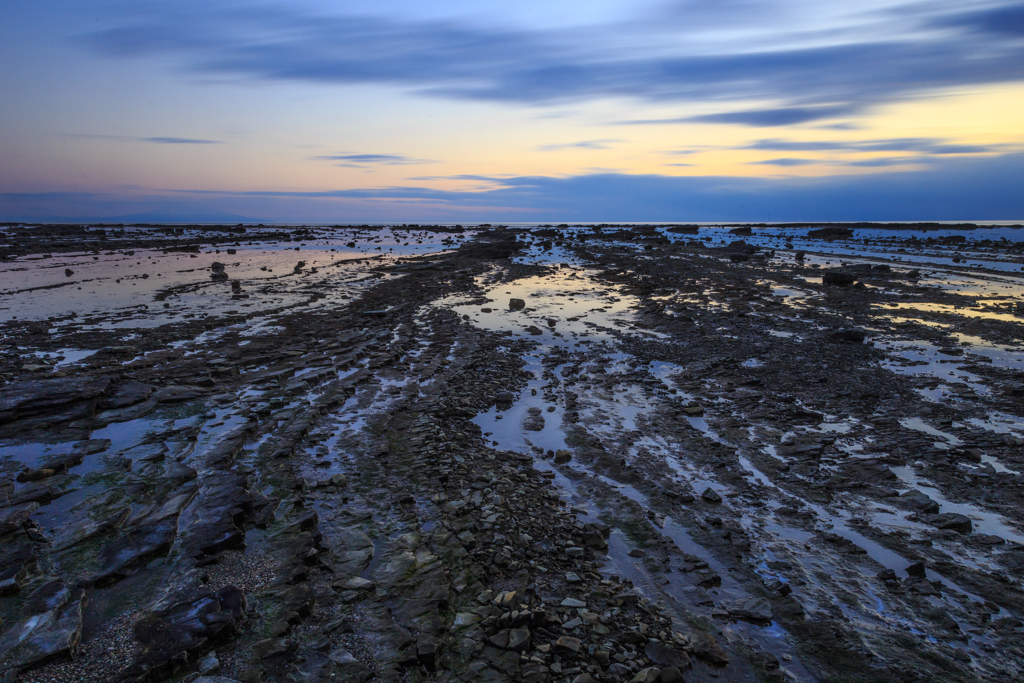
<point x="711" y="495"/>
<point x="919" y="501"/>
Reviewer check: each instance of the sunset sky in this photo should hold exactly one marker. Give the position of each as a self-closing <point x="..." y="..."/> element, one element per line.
<point x="492" y="110"/>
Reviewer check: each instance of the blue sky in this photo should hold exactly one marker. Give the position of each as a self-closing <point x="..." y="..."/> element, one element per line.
<point x="512" y="111"/>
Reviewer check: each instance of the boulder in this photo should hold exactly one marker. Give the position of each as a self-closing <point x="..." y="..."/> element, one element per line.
<point x="49" y="634"/>
<point x="740" y="247"/>
<point x="837" y="277"/>
<point x="170" y="637"/>
<point x="533" y="420"/>
<point x="665" y="656"/>
<point x="919" y="501"/>
<point x="853" y="336"/>
<point x="516" y="304"/>
<point x="711" y="495"/>
<point x="832" y="232"/>
<point x="951" y="521"/>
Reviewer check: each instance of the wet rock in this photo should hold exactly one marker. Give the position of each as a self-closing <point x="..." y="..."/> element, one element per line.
<point x="49" y="634"/>
<point x="665" y="656"/>
<point x="735" y="258"/>
<point x="919" y="501"/>
<point x="348" y="669"/>
<point x="562" y="456"/>
<point x="19" y="557"/>
<point x="172" y="635"/>
<point x="711" y="496"/>
<point x="13" y="517"/>
<point x="740" y="247"/>
<point x="568" y="643"/>
<point x="648" y="675"/>
<point x="209" y="664"/>
<point x="916" y="570"/>
<point x="128" y="394"/>
<point x="118" y="558"/>
<point x="831" y="232"/>
<point x="516" y="304"/>
<point x="533" y="420"/>
<point x="215" y="679"/>
<point x="670" y="675"/>
<point x="35" y="474"/>
<point x="969" y="454"/>
<point x="91" y="446"/>
<point x="837" y="277"/>
<point x="952" y="521"/>
<point x="54" y="397"/>
<point x="751" y="609"/>
<point x="854" y="336"/>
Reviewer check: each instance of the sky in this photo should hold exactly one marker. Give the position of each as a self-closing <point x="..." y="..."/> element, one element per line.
<point x="501" y="111"/>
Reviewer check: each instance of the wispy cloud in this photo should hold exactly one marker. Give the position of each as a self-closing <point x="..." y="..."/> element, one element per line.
<point x="922" y="145"/>
<point x="1004" y="20"/>
<point x="951" y="188"/>
<point x="584" y="144"/>
<point x="357" y="160"/>
<point x="812" y="75"/>
<point x="155" y="140"/>
<point x="786" y="161"/>
<point x="785" y="116"/>
<point x="180" y="141"/>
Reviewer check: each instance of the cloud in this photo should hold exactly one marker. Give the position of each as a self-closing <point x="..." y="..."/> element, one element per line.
<point x="357" y="160"/>
<point x="951" y="188"/>
<point x="866" y="163"/>
<point x="180" y="141"/>
<point x="1001" y="20"/>
<point x="154" y="140"/>
<point x="811" y="75"/>
<point x="923" y="145"/>
<point x="786" y="116"/>
<point x="786" y="161"/>
<point x="585" y="144"/>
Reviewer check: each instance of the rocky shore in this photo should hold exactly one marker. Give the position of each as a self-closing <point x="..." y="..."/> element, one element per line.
<point x="581" y="454"/>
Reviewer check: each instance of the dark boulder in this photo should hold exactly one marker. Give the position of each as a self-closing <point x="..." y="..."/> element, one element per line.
<point x="171" y="637"/>
<point x="919" y="501"/>
<point x="838" y="277"/>
<point x="853" y="335"/>
<point x="832" y="232"/>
